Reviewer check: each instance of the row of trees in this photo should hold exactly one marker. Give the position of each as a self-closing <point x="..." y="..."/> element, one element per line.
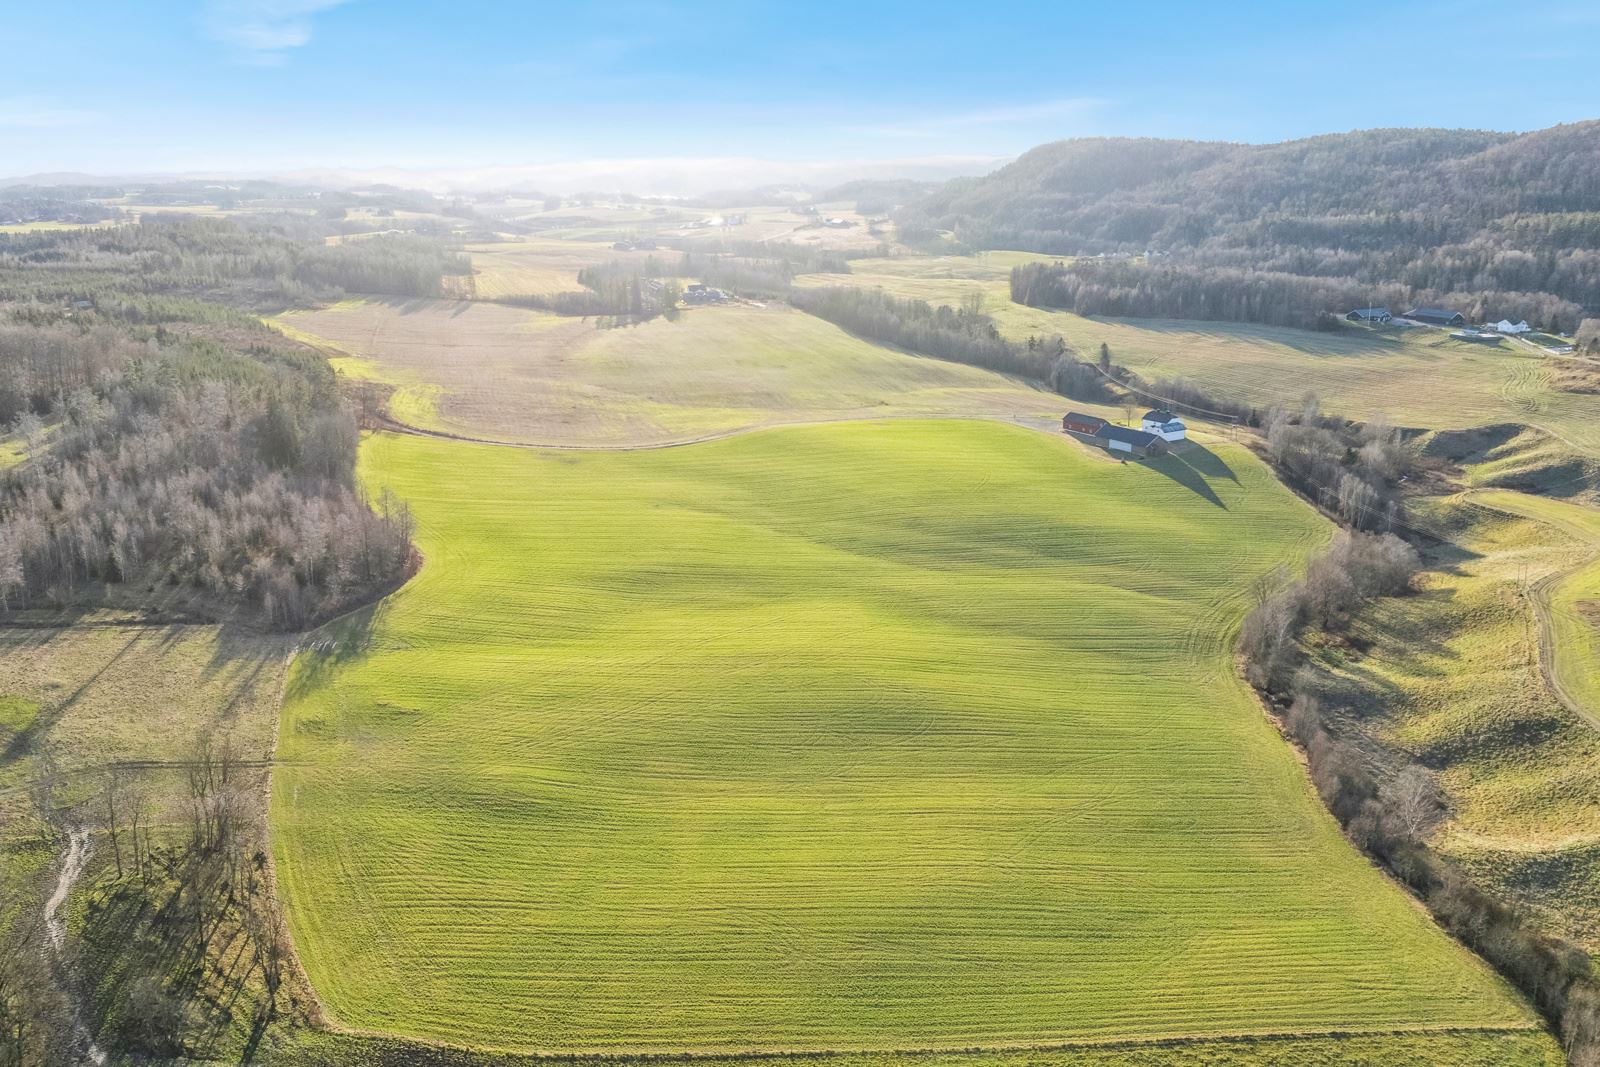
<point x="1353" y="472"/>
<point x="963" y="335"/>
<point x="1186" y="290"/>
<point x="1391" y="814"/>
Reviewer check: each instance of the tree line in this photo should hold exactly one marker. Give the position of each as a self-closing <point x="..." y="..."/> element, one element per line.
<point x="1391" y="815"/>
<point x="174" y="445"/>
<point x="1182" y="290"/>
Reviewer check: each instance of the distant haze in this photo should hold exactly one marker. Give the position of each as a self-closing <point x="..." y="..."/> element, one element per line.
<point x="645" y="177"/>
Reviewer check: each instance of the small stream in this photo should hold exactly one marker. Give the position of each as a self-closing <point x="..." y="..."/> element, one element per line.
<point x="55" y="926"/>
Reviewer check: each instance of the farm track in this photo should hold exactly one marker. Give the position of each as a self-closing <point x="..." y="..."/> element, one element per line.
<point x="84" y="1049"/>
<point x="1539" y="594"/>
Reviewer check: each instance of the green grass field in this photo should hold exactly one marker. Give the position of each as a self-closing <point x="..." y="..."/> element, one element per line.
<point x="888" y="734"/>
<point x="508" y="374"/>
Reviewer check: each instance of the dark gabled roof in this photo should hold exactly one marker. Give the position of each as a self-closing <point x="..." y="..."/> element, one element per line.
<point x="1078" y="416"/>
<point x="1432" y="313"/>
<point x="1370" y="313"/>
<point x="1136" y="438"/>
<point x="1159" y="415"/>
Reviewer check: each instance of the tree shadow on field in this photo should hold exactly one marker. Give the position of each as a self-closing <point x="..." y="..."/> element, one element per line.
<point x="1346" y="341"/>
<point x="325" y="652"/>
<point x="1185" y="474"/>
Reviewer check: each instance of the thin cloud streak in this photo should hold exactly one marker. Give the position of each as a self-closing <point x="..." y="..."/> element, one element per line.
<point x="264" y="30"/>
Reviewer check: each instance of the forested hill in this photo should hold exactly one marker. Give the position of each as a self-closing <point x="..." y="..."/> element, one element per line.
<point x="1438" y="211"/>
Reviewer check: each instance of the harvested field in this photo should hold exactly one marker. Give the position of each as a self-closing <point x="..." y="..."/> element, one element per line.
<point x="504" y="373"/>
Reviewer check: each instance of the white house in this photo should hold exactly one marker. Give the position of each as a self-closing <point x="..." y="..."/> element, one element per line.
<point x="1164" y="424"/>
<point x="1507" y="326"/>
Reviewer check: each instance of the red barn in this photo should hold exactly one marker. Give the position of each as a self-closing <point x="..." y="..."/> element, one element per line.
<point x="1077" y="422"/>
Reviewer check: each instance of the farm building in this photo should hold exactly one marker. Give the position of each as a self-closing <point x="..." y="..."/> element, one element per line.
<point x="1437" y="316"/>
<point x="704" y="294"/>
<point x="1482" y="337"/>
<point x="1507" y="326"/>
<point x="1164" y="424"/>
<point x="1379" y="315"/>
<point x="1092" y="429"/>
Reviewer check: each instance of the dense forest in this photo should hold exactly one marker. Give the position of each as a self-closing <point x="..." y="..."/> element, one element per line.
<point x="1490" y="223"/>
<point x="169" y="443"/>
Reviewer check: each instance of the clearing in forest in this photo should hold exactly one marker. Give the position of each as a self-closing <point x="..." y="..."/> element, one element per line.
<point x="897" y="734"/>
<point x="509" y="374"/>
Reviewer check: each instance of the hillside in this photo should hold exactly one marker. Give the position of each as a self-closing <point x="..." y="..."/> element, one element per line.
<point x="1431" y="212"/>
<point x="873" y="735"/>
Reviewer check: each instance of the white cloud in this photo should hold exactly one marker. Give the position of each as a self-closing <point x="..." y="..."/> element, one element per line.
<point x="36" y="113"/>
<point x="264" y="30"/>
<point x="1009" y="115"/>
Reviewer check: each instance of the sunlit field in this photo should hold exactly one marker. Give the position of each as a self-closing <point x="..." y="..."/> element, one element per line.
<point x="881" y="735"/>
<point x="488" y="370"/>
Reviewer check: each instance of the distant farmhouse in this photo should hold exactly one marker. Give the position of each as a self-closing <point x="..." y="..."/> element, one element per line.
<point x="704" y="294"/>
<point x="1164" y="424"/>
<point x="1507" y="326"/>
<point x="1094" y="430"/>
<point x="1437" y="317"/>
<point x="1378" y="315"/>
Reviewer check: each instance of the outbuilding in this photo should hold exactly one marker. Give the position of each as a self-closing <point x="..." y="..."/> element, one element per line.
<point x="1164" y="424"/>
<point x="1378" y="315"/>
<point x="1079" y="423"/>
<point x="1127" y="440"/>
<point x="1437" y="317"/>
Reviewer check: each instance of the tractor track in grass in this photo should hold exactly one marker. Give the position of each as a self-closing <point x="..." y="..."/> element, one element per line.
<point x="1131" y="1044"/>
<point x="1539" y="595"/>
<point x="387" y="423"/>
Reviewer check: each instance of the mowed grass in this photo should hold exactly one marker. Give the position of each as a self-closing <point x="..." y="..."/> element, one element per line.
<point x="508" y="374"/>
<point x="882" y="735"/>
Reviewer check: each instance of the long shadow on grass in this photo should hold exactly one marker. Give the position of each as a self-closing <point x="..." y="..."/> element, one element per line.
<point x="327" y="651"/>
<point x="1180" y="470"/>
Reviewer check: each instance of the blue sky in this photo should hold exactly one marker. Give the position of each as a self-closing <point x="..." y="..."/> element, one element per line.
<point x="109" y="86"/>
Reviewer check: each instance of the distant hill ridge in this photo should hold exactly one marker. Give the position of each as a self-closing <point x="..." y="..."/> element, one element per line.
<point x="1438" y="211"/>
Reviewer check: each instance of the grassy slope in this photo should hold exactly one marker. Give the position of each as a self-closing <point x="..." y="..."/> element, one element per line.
<point x="508" y="374"/>
<point x="1452" y="677"/>
<point x="890" y="734"/>
<point x="1572" y="597"/>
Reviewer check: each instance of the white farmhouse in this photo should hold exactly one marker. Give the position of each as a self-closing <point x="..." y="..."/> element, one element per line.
<point x="1164" y="424"/>
<point x="1507" y="326"/>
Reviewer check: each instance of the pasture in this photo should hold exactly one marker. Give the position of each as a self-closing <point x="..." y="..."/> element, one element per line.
<point x="487" y="370"/>
<point x="1451" y="676"/>
<point x="903" y="734"/>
